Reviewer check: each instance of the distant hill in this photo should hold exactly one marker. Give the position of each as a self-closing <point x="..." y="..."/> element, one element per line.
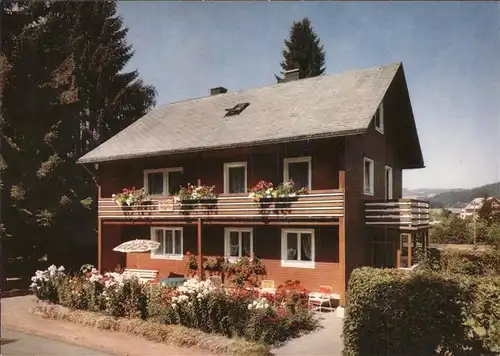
<point x="456" y="198"/>
<point x="425" y="193"/>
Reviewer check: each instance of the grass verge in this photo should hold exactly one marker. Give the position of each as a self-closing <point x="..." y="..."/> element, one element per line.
<point x="171" y="334"/>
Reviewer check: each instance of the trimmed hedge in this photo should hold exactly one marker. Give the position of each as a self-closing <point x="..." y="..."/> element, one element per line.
<point x="470" y="263"/>
<point x="394" y="312"/>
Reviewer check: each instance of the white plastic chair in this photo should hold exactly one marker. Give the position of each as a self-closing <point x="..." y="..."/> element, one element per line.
<point x="324" y="296"/>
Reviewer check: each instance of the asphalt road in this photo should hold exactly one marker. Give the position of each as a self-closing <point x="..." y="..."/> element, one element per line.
<point x="16" y="343"/>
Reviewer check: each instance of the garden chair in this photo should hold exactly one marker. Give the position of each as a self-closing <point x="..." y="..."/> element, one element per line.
<point x="324" y="296"/>
<point x="267" y="286"/>
<point x="216" y="280"/>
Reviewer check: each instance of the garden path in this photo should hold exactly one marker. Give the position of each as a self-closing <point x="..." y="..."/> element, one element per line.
<point x="16" y="316"/>
<point x="325" y="341"/>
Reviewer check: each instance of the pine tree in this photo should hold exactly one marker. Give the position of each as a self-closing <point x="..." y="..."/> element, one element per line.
<point x="65" y="92"/>
<point x="303" y="51"/>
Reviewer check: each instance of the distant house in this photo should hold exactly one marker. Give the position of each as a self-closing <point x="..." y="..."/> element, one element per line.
<point x="346" y="137"/>
<point x="476" y="204"/>
<point x="455" y="211"/>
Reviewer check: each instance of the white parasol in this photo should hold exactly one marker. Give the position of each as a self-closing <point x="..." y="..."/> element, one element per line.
<point x="137" y="245"/>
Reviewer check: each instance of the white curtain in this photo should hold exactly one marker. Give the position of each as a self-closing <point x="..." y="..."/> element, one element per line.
<point x="306" y="247"/>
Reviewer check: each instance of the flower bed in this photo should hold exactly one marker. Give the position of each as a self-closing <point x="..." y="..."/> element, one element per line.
<point x="233" y="312"/>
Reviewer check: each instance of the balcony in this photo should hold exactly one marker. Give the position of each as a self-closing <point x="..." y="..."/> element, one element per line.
<point x="317" y="204"/>
<point x="402" y="213"/>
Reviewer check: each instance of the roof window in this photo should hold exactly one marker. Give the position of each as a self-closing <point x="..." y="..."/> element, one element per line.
<point x="237" y="109"/>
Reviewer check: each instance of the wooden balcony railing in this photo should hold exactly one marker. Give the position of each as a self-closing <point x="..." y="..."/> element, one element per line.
<point x="407" y="213"/>
<point x="316" y="204"/>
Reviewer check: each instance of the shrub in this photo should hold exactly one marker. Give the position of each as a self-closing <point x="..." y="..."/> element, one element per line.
<point x="484" y="311"/>
<point x="292" y="295"/>
<point x="45" y="284"/>
<point x="244" y="271"/>
<point x="233" y="312"/>
<point x="472" y="263"/>
<point x="393" y="312"/>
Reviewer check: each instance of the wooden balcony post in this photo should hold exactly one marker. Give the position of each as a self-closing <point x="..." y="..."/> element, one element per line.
<point x="200" y="254"/>
<point x="342" y="260"/>
<point x="99" y="232"/>
<point x="342" y="180"/>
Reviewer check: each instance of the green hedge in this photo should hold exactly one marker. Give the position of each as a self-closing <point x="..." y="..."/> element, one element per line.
<point x="471" y="263"/>
<point x="394" y="312"/>
<point x="484" y="311"/>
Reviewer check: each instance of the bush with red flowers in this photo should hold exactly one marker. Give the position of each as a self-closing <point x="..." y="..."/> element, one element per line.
<point x="292" y="295"/>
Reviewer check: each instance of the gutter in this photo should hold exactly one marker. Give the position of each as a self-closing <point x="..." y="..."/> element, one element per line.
<point x="211" y="148"/>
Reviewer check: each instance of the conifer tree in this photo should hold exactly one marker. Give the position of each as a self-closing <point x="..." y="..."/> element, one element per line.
<point x="303" y="51"/>
<point x="65" y="92"/>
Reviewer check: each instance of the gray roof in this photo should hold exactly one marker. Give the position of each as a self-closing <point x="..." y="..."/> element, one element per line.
<point x="330" y="105"/>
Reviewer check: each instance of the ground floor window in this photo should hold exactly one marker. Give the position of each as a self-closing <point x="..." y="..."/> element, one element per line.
<point x="171" y="242"/>
<point x="238" y="242"/>
<point x="297" y="248"/>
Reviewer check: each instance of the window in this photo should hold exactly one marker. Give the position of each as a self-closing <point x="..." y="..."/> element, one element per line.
<point x="299" y="170"/>
<point x="379" y="118"/>
<point x="165" y="181"/>
<point x="368" y="176"/>
<point x="235" y="177"/>
<point x="171" y="242"/>
<point x="297" y="248"/>
<point x="238" y="243"/>
<point x="388" y="182"/>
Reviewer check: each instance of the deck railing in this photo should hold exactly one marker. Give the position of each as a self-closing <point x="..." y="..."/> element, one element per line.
<point x="315" y="204"/>
<point x="409" y="213"/>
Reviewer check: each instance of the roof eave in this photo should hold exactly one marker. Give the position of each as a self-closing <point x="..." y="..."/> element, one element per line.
<point x="361" y="131"/>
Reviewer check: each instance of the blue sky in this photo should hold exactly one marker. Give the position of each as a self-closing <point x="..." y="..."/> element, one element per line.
<point x="450" y="51"/>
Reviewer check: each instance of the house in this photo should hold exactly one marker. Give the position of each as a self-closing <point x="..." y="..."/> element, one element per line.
<point x="472" y="209"/>
<point x="346" y="137"/>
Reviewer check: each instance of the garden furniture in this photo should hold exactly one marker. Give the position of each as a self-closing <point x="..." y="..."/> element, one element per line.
<point x="324" y="296"/>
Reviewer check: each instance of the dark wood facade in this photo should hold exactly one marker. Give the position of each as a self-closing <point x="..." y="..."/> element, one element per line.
<point x="347" y="232"/>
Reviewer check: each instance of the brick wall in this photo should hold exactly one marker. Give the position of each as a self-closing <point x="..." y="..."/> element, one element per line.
<point x="267" y="246"/>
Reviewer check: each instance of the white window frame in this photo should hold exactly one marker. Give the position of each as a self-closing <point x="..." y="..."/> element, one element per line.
<point x="227" y="241"/>
<point x="371" y="176"/>
<point x="168" y="256"/>
<point x="165" y="172"/>
<point x="388" y="183"/>
<point x="306" y="159"/>
<point x="380" y="111"/>
<point x="298" y="263"/>
<point x="226" y="174"/>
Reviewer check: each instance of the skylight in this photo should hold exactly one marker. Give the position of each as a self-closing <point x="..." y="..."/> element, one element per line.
<point x="237" y="109"/>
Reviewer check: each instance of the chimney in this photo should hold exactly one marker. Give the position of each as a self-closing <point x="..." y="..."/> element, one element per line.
<point x="218" y="90"/>
<point x="290" y="75"/>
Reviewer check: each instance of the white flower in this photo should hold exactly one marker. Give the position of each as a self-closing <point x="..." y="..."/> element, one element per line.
<point x="61" y="269"/>
<point x="95" y="278"/>
<point x="33" y="285"/>
<point x="174" y="305"/>
<point x="93" y="270"/>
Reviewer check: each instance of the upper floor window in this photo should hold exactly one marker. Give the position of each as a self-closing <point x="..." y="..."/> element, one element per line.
<point x="171" y="242"/>
<point x="238" y="242"/>
<point x="299" y="170"/>
<point x="379" y="118"/>
<point x="368" y="176"/>
<point x="166" y="181"/>
<point x="388" y="182"/>
<point x="297" y="248"/>
<point x="235" y="177"/>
